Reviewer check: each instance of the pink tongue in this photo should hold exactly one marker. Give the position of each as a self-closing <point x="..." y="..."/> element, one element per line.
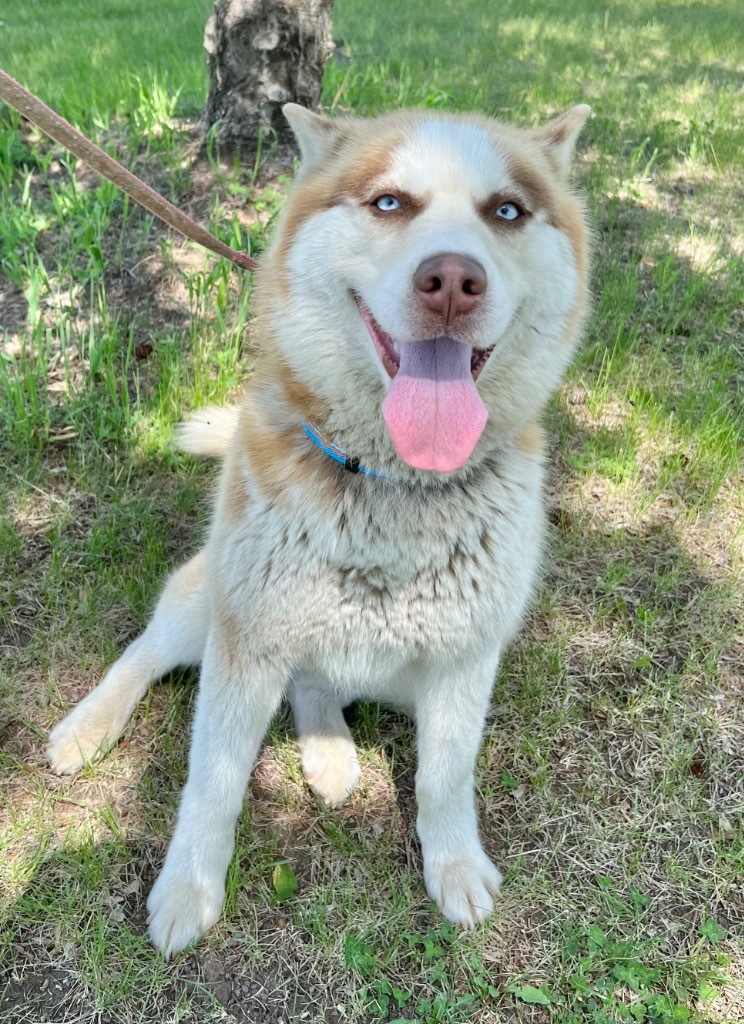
<point x="433" y="411"/>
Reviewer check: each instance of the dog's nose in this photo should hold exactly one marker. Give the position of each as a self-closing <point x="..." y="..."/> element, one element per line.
<point x="450" y="285"/>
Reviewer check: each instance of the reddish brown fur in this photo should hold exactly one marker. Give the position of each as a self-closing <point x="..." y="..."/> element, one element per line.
<point x="360" y="159"/>
<point x="533" y="169"/>
<point x="279" y="455"/>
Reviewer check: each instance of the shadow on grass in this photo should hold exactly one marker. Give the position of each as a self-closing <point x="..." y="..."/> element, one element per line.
<point x="97" y="964"/>
<point x="75" y="944"/>
<point x="78" y="951"/>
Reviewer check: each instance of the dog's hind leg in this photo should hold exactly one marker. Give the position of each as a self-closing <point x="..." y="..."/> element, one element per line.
<point x="328" y="753"/>
<point x="175" y="636"/>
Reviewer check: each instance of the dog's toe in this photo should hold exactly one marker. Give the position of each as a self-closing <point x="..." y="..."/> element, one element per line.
<point x="331" y="767"/>
<point x="180" y="912"/>
<point x="464" y="888"/>
<point x="71" y="745"/>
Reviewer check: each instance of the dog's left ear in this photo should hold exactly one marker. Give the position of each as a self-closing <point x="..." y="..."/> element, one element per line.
<point x="313" y="132"/>
<point x="559" y="136"/>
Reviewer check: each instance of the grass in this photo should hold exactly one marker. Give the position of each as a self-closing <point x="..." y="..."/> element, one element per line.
<point x="610" y="777"/>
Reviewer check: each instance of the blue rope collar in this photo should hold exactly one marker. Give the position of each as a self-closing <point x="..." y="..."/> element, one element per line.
<point x="349" y="463"/>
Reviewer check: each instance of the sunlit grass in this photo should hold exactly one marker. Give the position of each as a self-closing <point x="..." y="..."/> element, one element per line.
<point x="94" y="59"/>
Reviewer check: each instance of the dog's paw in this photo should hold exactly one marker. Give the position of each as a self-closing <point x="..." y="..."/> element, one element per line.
<point x="181" y="910"/>
<point x="78" y="739"/>
<point x="331" y="767"/>
<point x="463" y="888"/>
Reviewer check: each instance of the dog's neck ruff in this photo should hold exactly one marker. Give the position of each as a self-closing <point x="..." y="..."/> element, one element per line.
<point x="349" y="463"/>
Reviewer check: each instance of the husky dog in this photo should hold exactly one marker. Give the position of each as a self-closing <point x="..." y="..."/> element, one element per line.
<point x="379" y="518"/>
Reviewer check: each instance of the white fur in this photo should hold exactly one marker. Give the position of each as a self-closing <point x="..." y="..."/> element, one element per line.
<point x="402" y="590"/>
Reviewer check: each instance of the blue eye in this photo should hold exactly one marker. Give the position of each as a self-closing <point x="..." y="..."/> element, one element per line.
<point x="387" y="203"/>
<point x="509" y="211"/>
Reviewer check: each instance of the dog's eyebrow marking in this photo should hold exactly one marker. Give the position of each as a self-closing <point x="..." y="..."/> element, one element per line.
<point x="360" y="180"/>
<point x="531" y="183"/>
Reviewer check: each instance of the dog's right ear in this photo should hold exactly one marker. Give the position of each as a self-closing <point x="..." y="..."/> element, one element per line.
<point x="313" y="132"/>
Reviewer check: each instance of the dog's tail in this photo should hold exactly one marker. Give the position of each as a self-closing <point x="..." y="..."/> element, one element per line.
<point x="209" y="431"/>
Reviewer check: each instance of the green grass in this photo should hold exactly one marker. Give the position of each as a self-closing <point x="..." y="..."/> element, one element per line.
<point x="96" y="60"/>
<point x="610" y="777"/>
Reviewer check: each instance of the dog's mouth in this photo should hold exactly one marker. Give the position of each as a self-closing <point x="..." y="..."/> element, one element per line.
<point x="388" y="349"/>
<point x="433" y="411"/>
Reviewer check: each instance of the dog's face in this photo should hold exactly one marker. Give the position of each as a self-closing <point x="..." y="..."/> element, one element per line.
<point x="431" y="268"/>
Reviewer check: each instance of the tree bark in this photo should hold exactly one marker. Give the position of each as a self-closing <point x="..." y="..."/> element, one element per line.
<point x="262" y="54"/>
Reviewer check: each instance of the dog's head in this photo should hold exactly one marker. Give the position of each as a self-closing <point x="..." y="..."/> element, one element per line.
<point x="428" y="277"/>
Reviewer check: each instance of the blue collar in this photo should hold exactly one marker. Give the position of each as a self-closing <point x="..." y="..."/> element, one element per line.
<point x="338" y="454"/>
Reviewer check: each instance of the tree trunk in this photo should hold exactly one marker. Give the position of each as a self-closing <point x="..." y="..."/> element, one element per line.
<point x="262" y="54"/>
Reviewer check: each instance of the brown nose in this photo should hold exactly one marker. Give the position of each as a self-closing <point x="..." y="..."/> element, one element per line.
<point x="450" y="285"/>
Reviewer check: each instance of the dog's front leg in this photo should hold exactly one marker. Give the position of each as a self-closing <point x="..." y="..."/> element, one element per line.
<point x="450" y="713"/>
<point x="237" y="699"/>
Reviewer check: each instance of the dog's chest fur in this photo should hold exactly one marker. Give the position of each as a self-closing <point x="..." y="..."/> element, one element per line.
<point x="359" y="588"/>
